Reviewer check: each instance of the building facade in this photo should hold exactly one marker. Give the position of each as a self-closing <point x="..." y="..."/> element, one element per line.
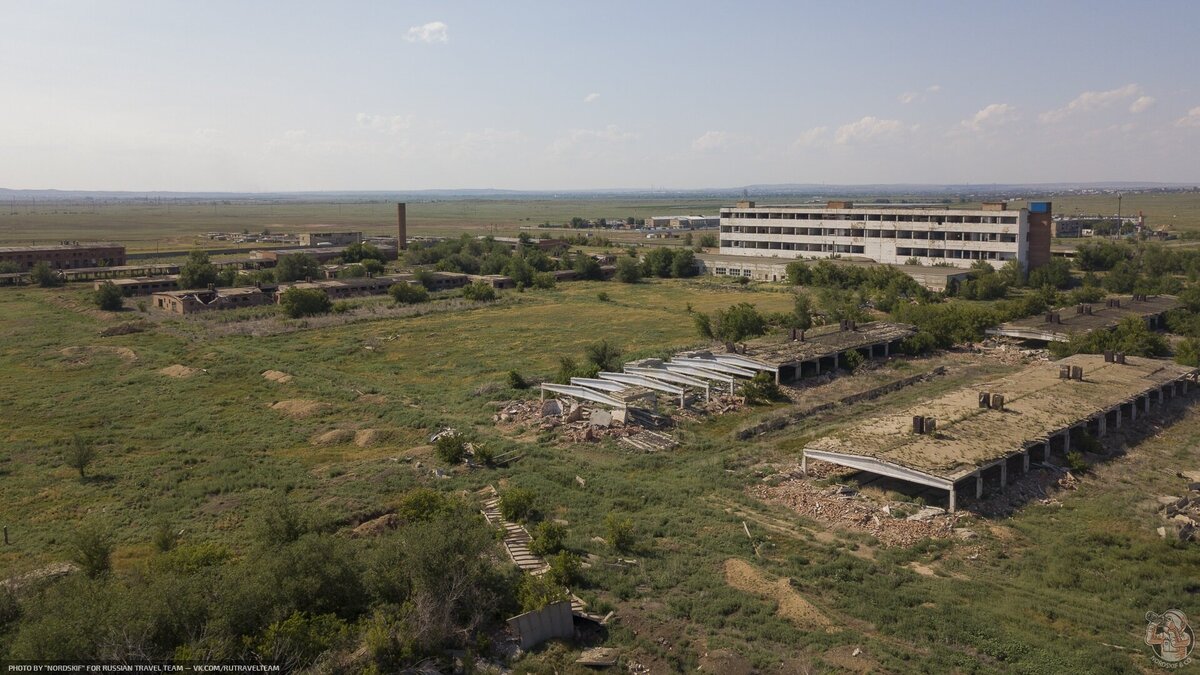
<point x="64" y="256"/>
<point x="887" y="233"/>
<point x="330" y="238"/>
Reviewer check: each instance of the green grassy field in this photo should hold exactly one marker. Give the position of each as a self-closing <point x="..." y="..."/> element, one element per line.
<point x="153" y="226"/>
<point x="1053" y="588"/>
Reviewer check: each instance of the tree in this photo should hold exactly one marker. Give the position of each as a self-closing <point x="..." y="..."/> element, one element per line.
<point x="761" y="389"/>
<point x="547" y="538"/>
<point x="604" y="355"/>
<point x="657" y="262"/>
<point x="80" y="455"/>
<point x="43" y="276"/>
<point x="802" y="312"/>
<point x="708" y="240"/>
<point x="683" y="263"/>
<point x="544" y="280"/>
<point x="108" y="297"/>
<point x="409" y="294"/>
<point x="360" y="251"/>
<point x="628" y="270"/>
<point x="197" y="272"/>
<point x="737" y="323"/>
<point x="451" y="448"/>
<point x="298" y="302"/>
<point x="587" y="269"/>
<point x="1056" y="273"/>
<point x="296" y="266"/>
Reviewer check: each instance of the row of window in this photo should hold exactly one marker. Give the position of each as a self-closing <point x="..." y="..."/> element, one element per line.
<point x="935" y="235"/>
<point x="873" y="217"/>
<point x="732" y="272"/>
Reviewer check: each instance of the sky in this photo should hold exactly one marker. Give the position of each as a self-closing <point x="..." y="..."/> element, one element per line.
<point x="356" y="95"/>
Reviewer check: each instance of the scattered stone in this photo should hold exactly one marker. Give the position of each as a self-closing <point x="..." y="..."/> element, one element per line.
<point x="601" y="418"/>
<point x="927" y="513"/>
<point x="552" y="407"/>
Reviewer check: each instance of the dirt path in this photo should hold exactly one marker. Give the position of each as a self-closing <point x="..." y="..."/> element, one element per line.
<point x="791" y="604"/>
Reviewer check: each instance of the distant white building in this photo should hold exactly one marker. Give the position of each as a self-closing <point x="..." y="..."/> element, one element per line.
<point x="889" y="234"/>
<point x="683" y="222"/>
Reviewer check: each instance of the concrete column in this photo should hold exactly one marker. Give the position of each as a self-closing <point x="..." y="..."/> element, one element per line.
<point x="1025" y="461"/>
<point x="1133" y="410"/>
<point x="1102" y="425"/>
<point x="1117" y="425"/>
<point x="953" y="506"/>
<point x="1146" y="403"/>
<point x="1003" y="474"/>
<point x="1066" y="441"/>
<point x="978" y="485"/>
<point x="886" y="349"/>
<point x="817" y="363"/>
<point x="804" y="464"/>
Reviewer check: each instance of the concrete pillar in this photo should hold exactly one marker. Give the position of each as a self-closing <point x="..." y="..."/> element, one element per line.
<point x="886" y="349"/>
<point x="1146" y="403"/>
<point x="804" y="464"/>
<point x="1117" y="425"/>
<point x="1066" y="441"/>
<point x="1102" y="425"/>
<point x="1025" y="461"/>
<point x="978" y="485"/>
<point x="817" y="362"/>
<point x="953" y="506"/>
<point x="1003" y="474"/>
<point x="1133" y="410"/>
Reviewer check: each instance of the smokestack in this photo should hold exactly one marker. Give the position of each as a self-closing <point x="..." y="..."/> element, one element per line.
<point x="401" y="227"/>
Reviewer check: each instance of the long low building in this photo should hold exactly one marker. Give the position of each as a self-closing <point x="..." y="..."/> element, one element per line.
<point x="992" y="430"/>
<point x="141" y="285"/>
<point x="763" y="268"/>
<point x="64" y="256"/>
<point x="338" y="289"/>
<point x="818" y="350"/>
<point x="1061" y="324"/>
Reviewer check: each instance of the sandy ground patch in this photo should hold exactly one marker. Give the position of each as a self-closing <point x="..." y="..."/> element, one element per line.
<point x="745" y="577"/>
<point x="333" y="437"/>
<point x="366" y="438"/>
<point x="178" y="370"/>
<point x="298" y="407"/>
<point x="372" y="399"/>
<point x="81" y="353"/>
<point x="277" y="376"/>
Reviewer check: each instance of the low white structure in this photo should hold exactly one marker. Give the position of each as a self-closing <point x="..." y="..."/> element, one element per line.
<point x="889" y="233"/>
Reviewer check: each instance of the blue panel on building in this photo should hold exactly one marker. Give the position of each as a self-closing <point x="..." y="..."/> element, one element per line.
<point x="1039" y="207"/>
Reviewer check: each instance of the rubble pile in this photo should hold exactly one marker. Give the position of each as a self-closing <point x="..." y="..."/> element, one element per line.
<point x="1040" y="485"/>
<point x="1181" y="514"/>
<point x="1008" y="351"/>
<point x="893" y="524"/>
<point x="581" y="423"/>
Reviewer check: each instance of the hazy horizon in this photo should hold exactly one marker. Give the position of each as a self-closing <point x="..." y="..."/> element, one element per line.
<point x="275" y="97"/>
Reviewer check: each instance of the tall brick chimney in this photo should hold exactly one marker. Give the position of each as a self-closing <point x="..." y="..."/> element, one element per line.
<point x="402" y="226"/>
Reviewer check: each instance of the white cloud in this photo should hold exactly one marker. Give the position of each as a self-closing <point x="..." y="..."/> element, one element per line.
<point x="867" y="129"/>
<point x="994" y="115"/>
<point x="391" y="125"/>
<point x="588" y="142"/>
<point x="1142" y="104"/>
<point x="811" y="137"/>
<point x="914" y="96"/>
<point x="1192" y="119"/>
<point x="712" y="140"/>
<point x="434" y="31"/>
<point x="591" y="97"/>
<point x="1090" y="100"/>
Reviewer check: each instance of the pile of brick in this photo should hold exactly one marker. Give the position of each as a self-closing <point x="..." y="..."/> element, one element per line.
<point x="1182" y="514"/>
<point x="581" y="423"/>
<point x="893" y="523"/>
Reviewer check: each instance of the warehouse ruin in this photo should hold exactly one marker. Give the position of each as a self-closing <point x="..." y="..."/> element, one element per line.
<point x="1060" y="324"/>
<point x="988" y="432"/>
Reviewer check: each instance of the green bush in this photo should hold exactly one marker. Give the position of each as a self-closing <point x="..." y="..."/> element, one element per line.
<point x="91" y="549"/>
<point x="197" y="272"/>
<point x="409" y="294"/>
<point x="108" y="297"/>
<point x="547" y="538"/>
<point x="423" y="504"/>
<point x="543" y="281"/>
<point x="296" y="267"/>
<point x="43" y="276"/>
<point x="515" y="381"/>
<point x="298" y="302"/>
<point x="341" y="307"/>
<point x="628" y="271"/>
<point x="620" y="532"/>
<point x="479" y="292"/>
<point x="564" y="569"/>
<point x="852" y="359"/>
<point x="602" y="296"/>
<point x="761" y="389"/>
<point x="516" y="504"/>
<point x="1076" y="462"/>
<point x="451" y="448"/>
<point x="536" y="592"/>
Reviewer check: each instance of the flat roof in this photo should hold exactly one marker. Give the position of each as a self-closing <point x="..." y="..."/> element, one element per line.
<point x="916" y="271"/>
<point x="1102" y="317"/>
<point x="1037" y="405"/>
<point x="775" y="351"/>
<point x="60" y="247"/>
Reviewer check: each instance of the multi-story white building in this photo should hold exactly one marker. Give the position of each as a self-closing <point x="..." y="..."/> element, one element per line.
<point x="889" y="234"/>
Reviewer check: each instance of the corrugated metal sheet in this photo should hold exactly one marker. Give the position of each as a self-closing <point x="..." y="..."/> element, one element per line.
<point x="552" y="621"/>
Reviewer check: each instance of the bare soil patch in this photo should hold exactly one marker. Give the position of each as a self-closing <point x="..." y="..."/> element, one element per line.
<point x="333" y="437"/>
<point x="299" y="407"/>
<point x="366" y="438"/>
<point x="791" y="604"/>
<point x="178" y="370"/>
<point x="83" y="353"/>
<point x="277" y="376"/>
